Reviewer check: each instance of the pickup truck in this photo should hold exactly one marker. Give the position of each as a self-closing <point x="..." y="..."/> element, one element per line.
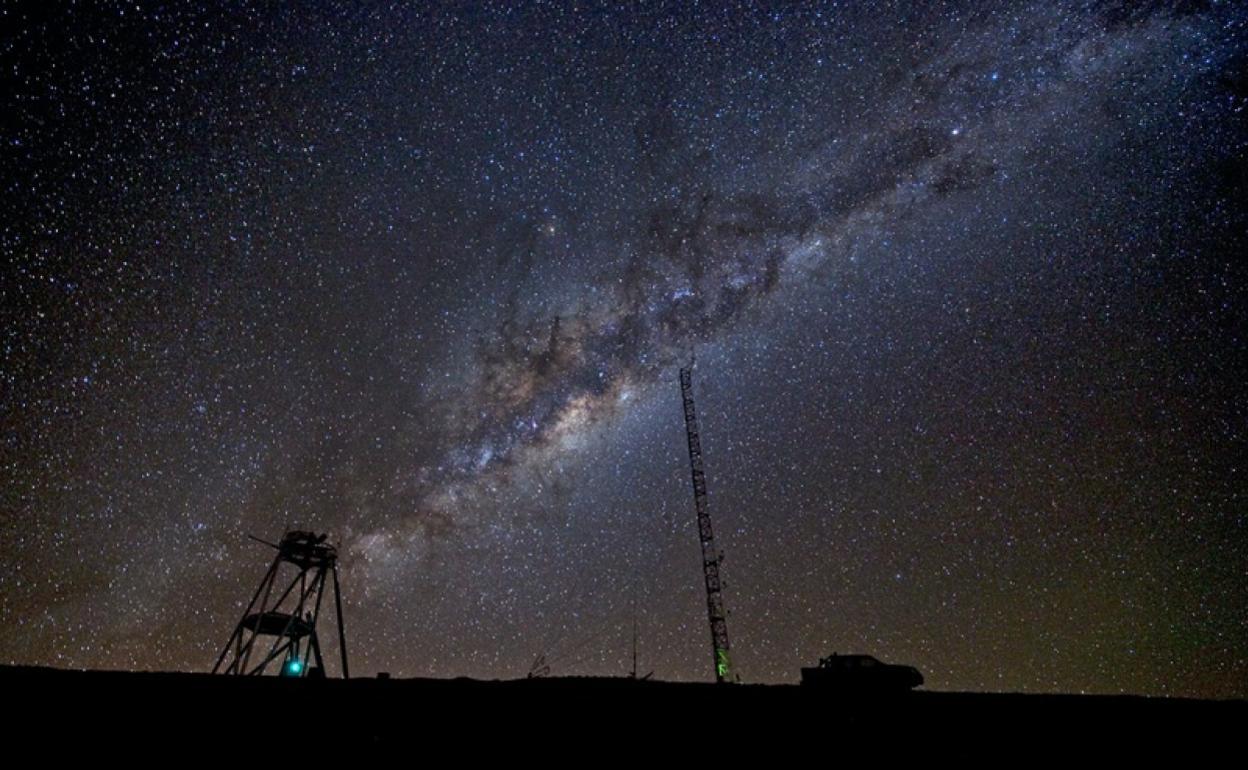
<point x="861" y="673"/>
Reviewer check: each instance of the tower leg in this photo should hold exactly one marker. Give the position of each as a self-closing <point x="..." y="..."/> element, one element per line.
<point x="342" y="635"/>
<point x="237" y="637"/>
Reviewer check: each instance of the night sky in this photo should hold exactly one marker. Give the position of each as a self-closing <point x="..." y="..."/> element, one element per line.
<point x="965" y="285"/>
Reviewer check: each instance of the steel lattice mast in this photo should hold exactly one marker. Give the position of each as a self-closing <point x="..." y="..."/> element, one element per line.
<point x="710" y="558"/>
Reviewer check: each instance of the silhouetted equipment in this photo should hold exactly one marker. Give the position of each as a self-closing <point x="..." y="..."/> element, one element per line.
<point x="291" y="619"/>
<point x="539" y="668"/>
<point x="710" y="558"/>
<point x="861" y="674"/>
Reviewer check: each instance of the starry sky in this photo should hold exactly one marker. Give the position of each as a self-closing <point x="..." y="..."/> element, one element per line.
<point x="964" y="283"/>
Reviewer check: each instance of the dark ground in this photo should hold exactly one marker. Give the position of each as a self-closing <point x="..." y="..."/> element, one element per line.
<point x="152" y="712"/>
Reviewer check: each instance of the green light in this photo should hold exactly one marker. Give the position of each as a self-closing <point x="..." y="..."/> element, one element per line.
<point x="721" y="663"/>
<point x="293" y="667"/>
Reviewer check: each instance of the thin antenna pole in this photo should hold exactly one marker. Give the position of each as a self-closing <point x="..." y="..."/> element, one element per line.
<point x="634" y="674"/>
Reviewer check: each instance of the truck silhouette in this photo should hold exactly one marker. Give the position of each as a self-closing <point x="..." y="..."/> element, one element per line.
<point x="861" y="673"/>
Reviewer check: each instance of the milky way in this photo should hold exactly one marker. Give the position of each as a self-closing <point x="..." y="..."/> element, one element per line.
<point x="963" y="286"/>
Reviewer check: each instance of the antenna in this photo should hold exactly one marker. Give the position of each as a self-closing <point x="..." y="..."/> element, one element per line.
<point x="710" y="557"/>
<point x="633" y="674"/>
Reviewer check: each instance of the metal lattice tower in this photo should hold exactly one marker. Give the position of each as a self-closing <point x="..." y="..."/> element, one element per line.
<point x="710" y="558"/>
<point x="291" y="619"/>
